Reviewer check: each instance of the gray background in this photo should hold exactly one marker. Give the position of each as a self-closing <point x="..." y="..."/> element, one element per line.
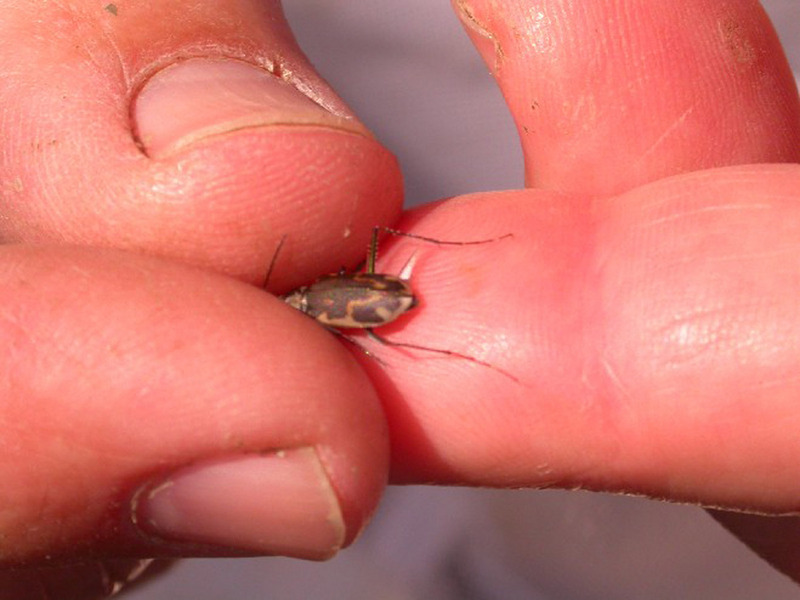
<point x="409" y="71"/>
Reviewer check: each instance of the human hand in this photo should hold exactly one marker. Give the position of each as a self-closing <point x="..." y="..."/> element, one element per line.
<point x="576" y="245"/>
<point x="153" y="408"/>
<point x="654" y="317"/>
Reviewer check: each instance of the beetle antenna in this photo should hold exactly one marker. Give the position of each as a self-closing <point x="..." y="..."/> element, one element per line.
<point x="274" y="260"/>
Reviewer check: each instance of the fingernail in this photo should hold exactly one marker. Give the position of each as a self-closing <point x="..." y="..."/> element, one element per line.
<point x="278" y="504"/>
<point x="482" y="36"/>
<point x="197" y="98"/>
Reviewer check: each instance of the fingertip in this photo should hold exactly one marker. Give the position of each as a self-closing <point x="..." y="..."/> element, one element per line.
<point x="457" y="371"/>
<point x="152" y="371"/>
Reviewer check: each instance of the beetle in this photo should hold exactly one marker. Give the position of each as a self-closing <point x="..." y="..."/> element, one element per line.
<point x="366" y="300"/>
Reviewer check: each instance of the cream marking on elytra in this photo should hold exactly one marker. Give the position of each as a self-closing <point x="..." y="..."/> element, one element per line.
<point x="367" y="300"/>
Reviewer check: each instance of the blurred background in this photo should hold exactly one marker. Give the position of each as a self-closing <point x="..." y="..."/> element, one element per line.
<point x="409" y="71"/>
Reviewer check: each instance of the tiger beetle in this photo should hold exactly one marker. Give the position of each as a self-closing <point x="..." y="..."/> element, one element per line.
<point x="366" y="300"/>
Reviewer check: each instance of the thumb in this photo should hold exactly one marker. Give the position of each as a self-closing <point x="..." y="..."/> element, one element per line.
<point x="150" y="409"/>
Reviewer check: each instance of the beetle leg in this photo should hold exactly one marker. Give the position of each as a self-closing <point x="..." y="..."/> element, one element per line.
<point x="382" y="340"/>
<point x="434" y="240"/>
<point x="373" y="251"/>
<point x="352" y="341"/>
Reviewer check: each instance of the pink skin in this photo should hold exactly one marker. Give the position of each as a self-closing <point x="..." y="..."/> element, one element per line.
<point x="647" y="302"/>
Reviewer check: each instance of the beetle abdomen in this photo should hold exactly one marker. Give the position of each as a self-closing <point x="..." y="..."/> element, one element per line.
<point x="359" y="300"/>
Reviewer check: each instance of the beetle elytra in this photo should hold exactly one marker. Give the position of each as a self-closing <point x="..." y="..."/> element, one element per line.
<point x="367" y="300"/>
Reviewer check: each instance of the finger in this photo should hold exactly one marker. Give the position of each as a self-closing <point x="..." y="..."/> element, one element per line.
<point x="149" y="410"/>
<point x="195" y="132"/>
<point x="610" y="95"/>
<point x="654" y="343"/>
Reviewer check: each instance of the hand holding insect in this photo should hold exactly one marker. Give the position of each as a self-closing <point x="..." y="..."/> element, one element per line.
<point x="653" y="321"/>
<point x="370" y="300"/>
